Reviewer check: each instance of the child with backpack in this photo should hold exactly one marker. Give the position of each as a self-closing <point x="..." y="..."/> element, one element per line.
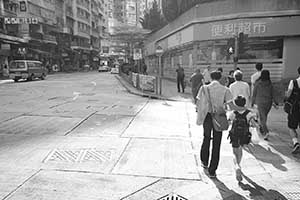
<point x="240" y="134"/>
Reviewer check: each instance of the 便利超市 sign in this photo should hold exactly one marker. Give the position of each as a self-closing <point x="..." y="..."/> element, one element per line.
<point x="21" y="20"/>
<point x="234" y="28"/>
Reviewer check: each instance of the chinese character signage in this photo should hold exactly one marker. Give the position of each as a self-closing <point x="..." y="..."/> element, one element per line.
<point x="21" y="20"/>
<point x="220" y="30"/>
<point x="23" y="6"/>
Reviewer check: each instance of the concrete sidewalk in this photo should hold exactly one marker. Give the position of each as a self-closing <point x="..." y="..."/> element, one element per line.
<point x="270" y="170"/>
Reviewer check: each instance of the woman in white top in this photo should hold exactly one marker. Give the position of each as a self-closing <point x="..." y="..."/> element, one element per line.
<point x="240" y="88"/>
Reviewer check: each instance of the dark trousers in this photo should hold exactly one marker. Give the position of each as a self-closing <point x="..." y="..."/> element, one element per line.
<point x="263" y="111"/>
<point x="216" y="140"/>
<point x="180" y="82"/>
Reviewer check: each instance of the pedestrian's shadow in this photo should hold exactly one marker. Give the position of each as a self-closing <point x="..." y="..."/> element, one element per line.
<point x="225" y="192"/>
<point x="266" y="155"/>
<point x="286" y="150"/>
<point x="257" y="191"/>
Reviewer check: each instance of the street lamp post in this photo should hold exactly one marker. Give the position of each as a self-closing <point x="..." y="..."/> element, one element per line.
<point x="159" y="51"/>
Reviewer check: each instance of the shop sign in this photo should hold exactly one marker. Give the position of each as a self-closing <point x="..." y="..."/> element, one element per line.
<point x="219" y="30"/>
<point x="23" y="6"/>
<point x="21" y="20"/>
<point x="137" y="54"/>
<point x="5" y="46"/>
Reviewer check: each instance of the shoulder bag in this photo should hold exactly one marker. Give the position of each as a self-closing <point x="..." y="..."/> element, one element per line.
<point x="219" y="118"/>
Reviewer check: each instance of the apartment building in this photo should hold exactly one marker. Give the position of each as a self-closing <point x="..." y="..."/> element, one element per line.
<point x="65" y="32"/>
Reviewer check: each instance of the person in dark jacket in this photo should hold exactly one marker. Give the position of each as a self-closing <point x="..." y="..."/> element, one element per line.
<point x="263" y="97"/>
<point x="196" y="81"/>
<point x="180" y="78"/>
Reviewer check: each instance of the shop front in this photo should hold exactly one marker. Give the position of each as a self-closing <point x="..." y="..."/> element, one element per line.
<point x="203" y="35"/>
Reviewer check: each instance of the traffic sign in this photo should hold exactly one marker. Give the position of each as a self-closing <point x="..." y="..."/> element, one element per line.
<point x="159" y="51"/>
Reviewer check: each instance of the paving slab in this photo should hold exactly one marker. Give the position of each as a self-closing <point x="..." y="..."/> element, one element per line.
<point x="61" y="185"/>
<point x="158" y="158"/>
<point x="37" y="125"/>
<point x="11" y="179"/>
<point x="160" y="120"/>
<point x="100" y="124"/>
<point x="4" y="116"/>
<point x="67" y="109"/>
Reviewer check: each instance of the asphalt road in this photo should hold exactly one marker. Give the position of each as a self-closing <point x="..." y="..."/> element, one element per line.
<point x="83" y="136"/>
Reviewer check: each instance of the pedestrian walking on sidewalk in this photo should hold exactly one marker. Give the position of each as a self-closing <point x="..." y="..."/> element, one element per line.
<point x="196" y="82"/>
<point x="180" y="78"/>
<point x="206" y="75"/>
<point x="240" y="87"/>
<point x="256" y="75"/>
<point x="293" y="93"/>
<point x="223" y="79"/>
<point x="240" y="134"/>
<point x="230" y="78"/>
<point x="263" y="97"/>
<point x="215" y="95"/>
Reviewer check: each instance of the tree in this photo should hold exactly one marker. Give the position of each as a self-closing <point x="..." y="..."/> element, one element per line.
<point x="153" y="19"/>
<point x="170" y="9"/>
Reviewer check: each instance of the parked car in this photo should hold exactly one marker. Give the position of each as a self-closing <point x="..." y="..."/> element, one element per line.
<point x="103" y="68"/>
<point x="114" y="70"/>
<point x="26" y="69"/>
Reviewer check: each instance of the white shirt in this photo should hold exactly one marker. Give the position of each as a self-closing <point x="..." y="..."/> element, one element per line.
<point x="206" y="76"/>
<point x="255" y="76"/>
<point x="291" y="85"/>
<point x="240" y="88"/>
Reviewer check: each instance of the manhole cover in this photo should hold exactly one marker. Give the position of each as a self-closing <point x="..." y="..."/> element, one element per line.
<point x="172" y="196"/>
<point x="79" y="155"/>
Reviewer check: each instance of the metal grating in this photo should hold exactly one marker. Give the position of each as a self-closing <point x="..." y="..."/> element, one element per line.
<point x="79" y="155"/>
<point x="172" y="196"/>
<point x="291" y="190"/>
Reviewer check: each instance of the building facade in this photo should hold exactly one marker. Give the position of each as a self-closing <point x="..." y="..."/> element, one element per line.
<point x="200" y="37"/>
<point x="63" y="32"/>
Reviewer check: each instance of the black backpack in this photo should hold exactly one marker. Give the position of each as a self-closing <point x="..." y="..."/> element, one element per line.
<point x="292" y="103"/>
<point x="240" y="128"/>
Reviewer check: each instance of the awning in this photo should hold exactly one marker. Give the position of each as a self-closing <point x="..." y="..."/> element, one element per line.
<point x="40" y="51"/>
<point x="12" y="38"/>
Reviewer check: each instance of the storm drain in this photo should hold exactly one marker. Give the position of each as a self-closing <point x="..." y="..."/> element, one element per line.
<point x="78" y="156"/>
<point x="172" y="196"/>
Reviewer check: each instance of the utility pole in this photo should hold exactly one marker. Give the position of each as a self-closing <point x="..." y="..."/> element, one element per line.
<point x="236" y="51"/>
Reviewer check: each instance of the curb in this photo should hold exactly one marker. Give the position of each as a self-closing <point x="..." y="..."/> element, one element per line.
<point x="130" y="89"/>
<point x="6" y="81"/>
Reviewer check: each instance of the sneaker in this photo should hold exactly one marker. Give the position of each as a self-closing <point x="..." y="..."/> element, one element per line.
<point x="212" y="175"/>
<point x="296" y="148"/>
<point x="238" y="174"/>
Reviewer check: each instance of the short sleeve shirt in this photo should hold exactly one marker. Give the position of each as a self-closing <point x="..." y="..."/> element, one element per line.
<point x="291" y="85"/>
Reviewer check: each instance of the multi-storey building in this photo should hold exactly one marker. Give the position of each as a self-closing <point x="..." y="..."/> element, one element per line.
<point x="66" y="32"/>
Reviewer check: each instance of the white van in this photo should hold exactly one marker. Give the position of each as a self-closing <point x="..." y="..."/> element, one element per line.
<point x="26" y="69"/>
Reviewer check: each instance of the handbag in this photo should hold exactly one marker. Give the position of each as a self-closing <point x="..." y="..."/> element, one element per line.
<point x="219" y="118"/>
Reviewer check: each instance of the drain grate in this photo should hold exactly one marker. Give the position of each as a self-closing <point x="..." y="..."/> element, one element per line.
<point x="172" y="196"/>
<point x="79" y="155"/>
